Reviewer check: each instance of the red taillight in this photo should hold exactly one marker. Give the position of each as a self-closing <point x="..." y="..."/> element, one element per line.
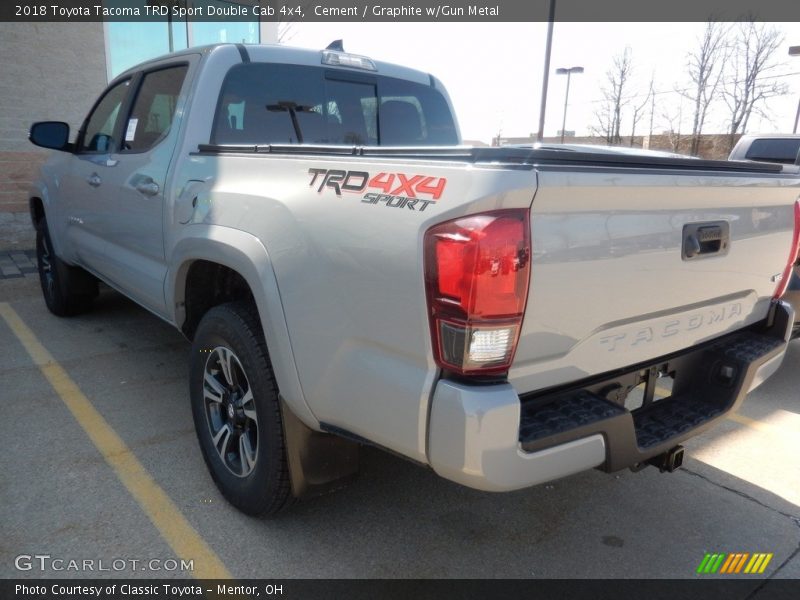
<point x="477" y="270"/>
<point x="793" y="254"/>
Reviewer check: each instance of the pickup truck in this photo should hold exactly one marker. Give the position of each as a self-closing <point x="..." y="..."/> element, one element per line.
<point x="781" y="148"/>
<point x="349" y="274"/>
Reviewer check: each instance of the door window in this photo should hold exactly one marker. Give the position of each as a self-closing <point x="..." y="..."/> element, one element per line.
<point x="154" y="108"/>
<point x="101" y="124"/>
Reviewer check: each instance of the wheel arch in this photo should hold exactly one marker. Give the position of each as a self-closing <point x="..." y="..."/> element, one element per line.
<point x="40" y="207"/>
<point x="36" y="209"/>
<point x="38" y="202"/>
<point x="234" y="254"/>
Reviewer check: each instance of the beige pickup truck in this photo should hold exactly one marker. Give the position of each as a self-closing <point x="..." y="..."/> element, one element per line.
<point x="349" y="273"/>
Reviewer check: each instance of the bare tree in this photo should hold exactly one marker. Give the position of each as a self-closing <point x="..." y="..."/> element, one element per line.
<point x="287" y="28"/>
<point x="673" y="132"/>
<point x="639" y="109"/>
<point x="746" y="84"/>
<point x="615" y="98"/>
<point x="705" y="68"/>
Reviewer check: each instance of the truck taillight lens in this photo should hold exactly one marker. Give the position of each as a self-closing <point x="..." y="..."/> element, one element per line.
<point x="793" y="254"/>
<point x="477" y="270"/>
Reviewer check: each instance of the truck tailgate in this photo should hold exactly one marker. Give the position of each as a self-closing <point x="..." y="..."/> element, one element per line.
<point x="611" y="285"/>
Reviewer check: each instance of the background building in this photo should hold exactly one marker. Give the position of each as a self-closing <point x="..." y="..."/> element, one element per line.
<point x="55" y="71"/>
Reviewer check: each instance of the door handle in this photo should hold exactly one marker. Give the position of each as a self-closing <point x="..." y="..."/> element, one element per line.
<point x="148" y="188"/>
<point x="94" y="180"/>
<point x="701" y="240"/>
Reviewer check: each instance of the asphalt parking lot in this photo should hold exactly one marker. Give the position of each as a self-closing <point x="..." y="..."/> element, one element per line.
<point x="138" y="488"/>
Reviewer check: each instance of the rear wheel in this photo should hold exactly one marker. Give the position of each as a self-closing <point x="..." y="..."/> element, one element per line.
<point x="236" y="410"/>
<point x="67" y="290"/>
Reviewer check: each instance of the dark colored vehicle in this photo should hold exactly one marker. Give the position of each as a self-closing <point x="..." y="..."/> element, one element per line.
<point x="776" y="148"/>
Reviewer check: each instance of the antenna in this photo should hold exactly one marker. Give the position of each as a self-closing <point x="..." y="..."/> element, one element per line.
<point x="336" y="45"/>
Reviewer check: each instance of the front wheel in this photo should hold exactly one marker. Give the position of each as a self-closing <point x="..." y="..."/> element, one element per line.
<point x="236" y="410"/>
<point x="67" y="290"/>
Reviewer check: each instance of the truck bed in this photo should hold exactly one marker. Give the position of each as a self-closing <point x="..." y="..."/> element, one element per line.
<point x="609" y="286"/>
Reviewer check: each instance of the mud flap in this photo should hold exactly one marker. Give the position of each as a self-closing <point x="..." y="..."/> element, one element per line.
<point x="319" y="462"/>
<point x="74" y="280"/>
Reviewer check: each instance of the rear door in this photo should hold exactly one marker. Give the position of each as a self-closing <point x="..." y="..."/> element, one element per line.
<point x="131" y="207"/>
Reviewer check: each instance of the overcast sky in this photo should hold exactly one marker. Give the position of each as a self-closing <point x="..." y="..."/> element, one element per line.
<point x="494" y="71"/>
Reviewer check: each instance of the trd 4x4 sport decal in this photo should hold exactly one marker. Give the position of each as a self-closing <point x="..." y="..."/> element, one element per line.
<point x="398" y="190"/>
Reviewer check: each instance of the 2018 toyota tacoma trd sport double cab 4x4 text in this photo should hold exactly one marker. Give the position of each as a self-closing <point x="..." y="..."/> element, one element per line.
<point x="349" y="274"/>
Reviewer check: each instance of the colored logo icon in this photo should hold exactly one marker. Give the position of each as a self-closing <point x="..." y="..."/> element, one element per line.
<point x="734" y="563"/>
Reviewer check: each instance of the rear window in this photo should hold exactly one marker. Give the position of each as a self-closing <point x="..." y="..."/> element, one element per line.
<point x="264" y="103"/>
<point x="780" y="150"/>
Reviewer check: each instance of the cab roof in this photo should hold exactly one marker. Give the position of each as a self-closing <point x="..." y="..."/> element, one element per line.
<point x="277" y="53"/>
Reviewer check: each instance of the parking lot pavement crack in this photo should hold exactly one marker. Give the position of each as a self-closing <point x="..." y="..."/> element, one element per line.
<point x="774" y="574"/>
<point x="795" y="518"/>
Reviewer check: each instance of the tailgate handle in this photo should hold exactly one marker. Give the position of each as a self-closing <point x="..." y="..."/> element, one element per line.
<point x="701" y="240"/>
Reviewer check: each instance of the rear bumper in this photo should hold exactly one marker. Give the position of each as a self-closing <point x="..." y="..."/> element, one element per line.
<point x="490" y="438"/>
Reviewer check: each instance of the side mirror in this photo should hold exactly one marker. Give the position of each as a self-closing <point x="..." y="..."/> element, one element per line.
<point x="50" y="134"/>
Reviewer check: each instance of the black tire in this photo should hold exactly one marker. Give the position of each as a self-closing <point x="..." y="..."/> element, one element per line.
<point x="227" y="330"/>
<point x="67" y="290"/>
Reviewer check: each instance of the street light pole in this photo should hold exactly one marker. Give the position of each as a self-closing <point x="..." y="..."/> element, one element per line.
<point x="796" y="117"/>
<point x="545" y="79"/>
<point x="566" y="103"/>
<point x="795" y="51"/>
<point x="568" y="73"/>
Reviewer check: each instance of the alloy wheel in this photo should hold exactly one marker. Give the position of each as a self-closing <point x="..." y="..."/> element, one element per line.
<point x="230" y="411"/>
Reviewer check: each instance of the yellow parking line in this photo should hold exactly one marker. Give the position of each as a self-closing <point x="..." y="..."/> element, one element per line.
<point x="156" y="504"/>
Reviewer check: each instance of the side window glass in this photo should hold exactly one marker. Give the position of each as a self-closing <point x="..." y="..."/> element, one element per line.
<point x="402" y="120"/>
<point x="98" y="135"/>
<point x="354" y="120"/>
<point x="271" y="104"/>
<point x="411" y="114"/>
<point x="781" y="150"/>
<point x="288" y="104"/>
<point x="154" y="109"/>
